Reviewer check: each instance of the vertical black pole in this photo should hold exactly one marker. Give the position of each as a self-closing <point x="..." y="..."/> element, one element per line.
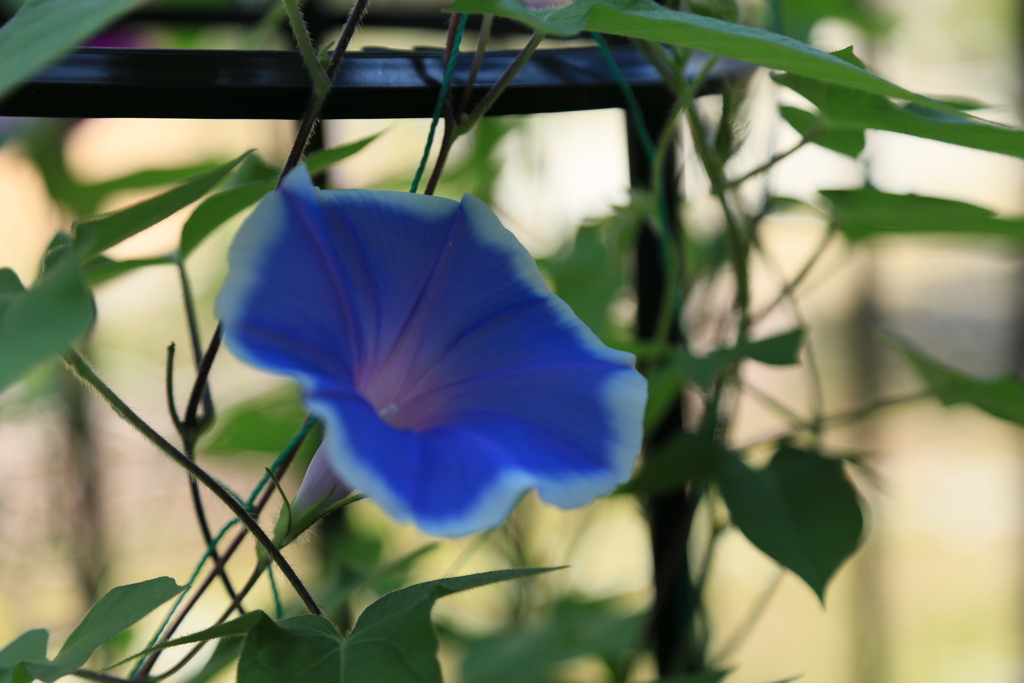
<point x="673" y="633"/>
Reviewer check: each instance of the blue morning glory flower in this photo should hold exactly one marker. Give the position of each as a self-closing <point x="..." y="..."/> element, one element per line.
<point x="449" y="378"/>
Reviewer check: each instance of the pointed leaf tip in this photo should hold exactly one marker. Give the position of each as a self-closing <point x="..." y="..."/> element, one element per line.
<point x="801" y="510"/>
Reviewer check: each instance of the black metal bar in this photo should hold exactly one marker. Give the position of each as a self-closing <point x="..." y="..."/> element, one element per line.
<point x="227" y="84"/>
<point x="672" y="630"/>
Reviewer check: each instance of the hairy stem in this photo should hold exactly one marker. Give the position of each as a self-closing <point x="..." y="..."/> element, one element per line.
<point x="199" y="388"/>
<point x="281" y="467"/>
<point x="456" y="25"/>
<point x="495" y="92"/>
<point x="86" y="374"/>
<point x="737" y="242"/>
<point x="789" y="287"/>
<point x="316" y="72"/>
<point x="478" y="59"/>
<point x="316" y="101"/>
<point x="97" y="676"/>
<point x="811" y="136"/>
<point x="189" y="429"/>
<point x="195" y="337"/>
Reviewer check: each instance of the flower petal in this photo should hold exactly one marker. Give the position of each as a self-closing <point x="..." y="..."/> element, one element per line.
<point x="321" y="485"/>
<point x="450" y="379"/>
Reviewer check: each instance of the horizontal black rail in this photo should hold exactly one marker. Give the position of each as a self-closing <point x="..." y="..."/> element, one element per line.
<point x="227" y="84"/>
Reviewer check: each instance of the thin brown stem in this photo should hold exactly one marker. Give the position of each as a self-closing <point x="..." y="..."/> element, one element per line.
<point x="89" y="376"/>
<point x="195" y="337"/>
<point x="450" y="52"/>
<point x="97" y="676"/>
<point x="202" y="380"/>
<point x="811" y="136"/>
<point x="143" y="673"/>
<point x="478" y="59"/>
<point x="495" y="92"/>
<point x="190" y="428"/>
<point x="790" y="287"/>
<point x="261" y="503"/>
<point x="316" y="102"/>
<point x="256" y="574"/>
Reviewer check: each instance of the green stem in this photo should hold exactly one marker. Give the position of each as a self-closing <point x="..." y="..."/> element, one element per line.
<point x="787" y="414"/>
<point x="194" y="337"/>
<point x="495" y="92"/>
<point x="478" y="59"/>
<point x="316" y="72"/>
<point x="456" y="28"/>
<point x="790" y="287"/>
<point x="811" y="136"/>
<point x="279" y="467"/>
<point x="193" y="425"/>
<point x="867" y="410"/>
<point x="169" y="389"/>
<point x="190" y="429"/>
<point x="657" y="59"/>
<point x="316" y="101"/>
<point x="669" y="254"/>
<point x="738" y="244"/>
<point x="635" y="111"/>
<point x="817" y="399"/>
<point x="97" y="676"/>
<point x="86" y="374"/>
<point x="257" y="573"/>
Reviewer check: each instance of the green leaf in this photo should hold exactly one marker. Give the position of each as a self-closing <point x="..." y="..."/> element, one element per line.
<point x="1002" y="398"/>
<point x="226" y="651"/>
<point x="304" y="649"/>
<point x="586" y="277"/>
<point x="41" y="321"/>
<point x="647" y="20"/>
<point x="677" y="462"/>
<point x="83" y="199"/>
<point x="99" y="269"/>
<point x="782" y="349"/>
<point x="376" y="577"/>
<point x="11" y="289"/>
<point x="665" y="383"/>
<point x="848" y="141"/>
<point x="322" y="159"/>
<point x="98" y="234"/>
<point x="42" y="30"/>
<point x="115" y="611"/>
<point x="528" y="655"/>
<point x="28" y="647"/>
<point x="801" y="510"/>
<point x="394" y="641"/>
<point x="229" y="629"/>
<point x="264" y="424"/>
<point x="847" y="108"/>
<point x="867" y="212"/>
<point x="800" y="15"/>
<point x="151" y="177"/>
<point x="218" y="208"/>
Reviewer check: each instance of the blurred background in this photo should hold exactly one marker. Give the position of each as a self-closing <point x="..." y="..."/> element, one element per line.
<point x="934" y="594"/>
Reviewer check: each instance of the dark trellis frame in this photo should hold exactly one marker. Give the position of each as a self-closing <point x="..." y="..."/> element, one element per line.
<point x="231" y="84"/>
